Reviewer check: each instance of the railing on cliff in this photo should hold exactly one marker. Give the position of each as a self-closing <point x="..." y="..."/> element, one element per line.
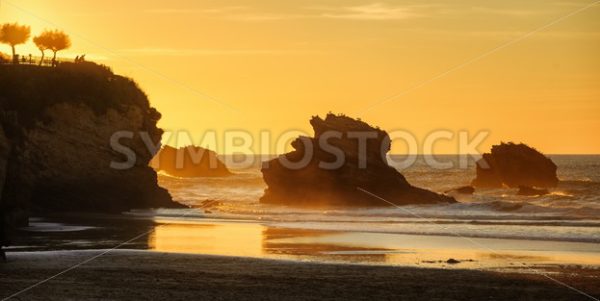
<point x="35" y="60"/>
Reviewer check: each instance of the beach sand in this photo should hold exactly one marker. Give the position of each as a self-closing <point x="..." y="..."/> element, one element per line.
<point x="235" y="260"/>
<point x="146" y="275"/>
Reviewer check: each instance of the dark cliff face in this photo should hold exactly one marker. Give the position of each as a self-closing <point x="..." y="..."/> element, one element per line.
<point x="189" y="162"/>
<point x="55" y="132"/>
<point x="514" y="165"/>
<point x="313" y="185"/>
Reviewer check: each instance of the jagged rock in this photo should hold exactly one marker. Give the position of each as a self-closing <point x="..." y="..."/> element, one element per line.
<point x="530" y="191"/>
<point x="58" y="123"/>
<point x="313" y="185"/>
<point x="513" y="165"/>
<point x="189" y="162"/>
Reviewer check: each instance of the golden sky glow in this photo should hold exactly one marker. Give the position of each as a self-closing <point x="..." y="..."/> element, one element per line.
<point x="279" y="62"/>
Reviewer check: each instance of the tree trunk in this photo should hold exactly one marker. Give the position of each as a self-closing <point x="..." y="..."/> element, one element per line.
<point x="42" y="59"/>
<point x="14" y="57"/>
<point x="54" y="59"/>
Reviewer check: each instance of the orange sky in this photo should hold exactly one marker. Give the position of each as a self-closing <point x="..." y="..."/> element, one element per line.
<point x="271" y="64"/>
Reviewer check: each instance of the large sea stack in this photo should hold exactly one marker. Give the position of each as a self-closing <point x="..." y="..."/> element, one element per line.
<point x="513" y="165"/>
<point x="56" y="126"/>
<point x="189" y="162"/>
<point x="345" y="185"/>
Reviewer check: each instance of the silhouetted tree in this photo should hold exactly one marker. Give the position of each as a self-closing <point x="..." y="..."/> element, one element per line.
<point x="43" y="43"/>
<point x="14" y="34"/>
<point x="58" y="41"/>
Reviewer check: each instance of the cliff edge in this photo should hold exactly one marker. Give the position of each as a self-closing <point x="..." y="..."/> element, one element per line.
<point x="56" y="126"/>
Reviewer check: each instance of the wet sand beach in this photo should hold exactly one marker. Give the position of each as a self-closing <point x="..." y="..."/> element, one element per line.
<point x="235" y="260"/>
<point x="147" y="275"/>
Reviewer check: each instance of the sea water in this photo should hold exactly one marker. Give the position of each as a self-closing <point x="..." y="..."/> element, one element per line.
<point x="570" y="213"/>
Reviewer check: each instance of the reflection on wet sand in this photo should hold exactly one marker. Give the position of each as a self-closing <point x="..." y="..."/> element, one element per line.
<point x="235" y="239"/>
<point x="264" y="241"/>
<point x="287" y="242"/>
<point x="253" y="240"/>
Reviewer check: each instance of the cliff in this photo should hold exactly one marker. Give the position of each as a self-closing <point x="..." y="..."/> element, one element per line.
<point x="514" y="165"/>
<point x="55" y="152"/>
<point x="365" y="167"/>
<point x="189" y="162"/>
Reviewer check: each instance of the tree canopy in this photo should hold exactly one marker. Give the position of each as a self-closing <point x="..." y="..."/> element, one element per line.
<point x="42" y="42"/>
<point x="58" y="40"/>
<point x="54" y="40"/>
<point x="14" y="34"/>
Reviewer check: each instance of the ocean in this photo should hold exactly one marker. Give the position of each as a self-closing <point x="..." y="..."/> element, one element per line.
<point x="570" y="213"/>
<point x="491" y="229"/>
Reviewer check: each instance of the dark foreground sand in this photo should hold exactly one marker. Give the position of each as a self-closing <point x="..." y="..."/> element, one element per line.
<point x="134" y="275"/>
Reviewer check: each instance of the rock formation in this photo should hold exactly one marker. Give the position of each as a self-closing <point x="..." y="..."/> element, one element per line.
<point x="189" y="162"/>
<point x="315" y="184"/>
<point x="514" y="165"/>
<point x="56" y="126"/>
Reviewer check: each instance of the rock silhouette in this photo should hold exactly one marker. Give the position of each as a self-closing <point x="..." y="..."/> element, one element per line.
<point x="313" y="185"/>
<point x="56" y="126"/>
<point x="514" y="165"/>
<point x="189" y="162"/>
